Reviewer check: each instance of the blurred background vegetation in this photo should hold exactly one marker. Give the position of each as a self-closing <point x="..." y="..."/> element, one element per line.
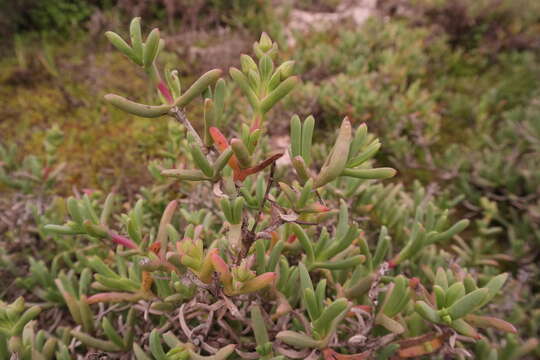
<point x="452" y="88"/>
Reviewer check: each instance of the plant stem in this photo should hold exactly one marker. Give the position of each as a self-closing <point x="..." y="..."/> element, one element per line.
<point x="266" y="193"/>
<point x="180" y="116"/>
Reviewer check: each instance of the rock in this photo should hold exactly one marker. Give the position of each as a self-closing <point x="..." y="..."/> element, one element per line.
<point x="305" y="21"/>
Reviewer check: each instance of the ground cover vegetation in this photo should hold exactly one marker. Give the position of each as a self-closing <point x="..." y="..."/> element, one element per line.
<point x="175" y="185"/>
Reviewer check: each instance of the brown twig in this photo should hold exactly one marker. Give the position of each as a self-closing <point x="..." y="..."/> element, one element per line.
<point x="249" y="236"/>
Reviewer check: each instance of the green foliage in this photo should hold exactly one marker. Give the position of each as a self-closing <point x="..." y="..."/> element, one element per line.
<point x="60" y="15"/>
<point x="47" y="16"/>
<point x="234" y="254"/>
<point x="202" y="252"/>
<point x="32" y="173"/>
<point x="512" y="154"/>
<point x="456" y="300"/>
<point x="13" y="321"/>
<point x="415" y="90"/>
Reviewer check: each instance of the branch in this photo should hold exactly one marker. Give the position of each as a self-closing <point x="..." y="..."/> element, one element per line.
<point x="180" y="116"/>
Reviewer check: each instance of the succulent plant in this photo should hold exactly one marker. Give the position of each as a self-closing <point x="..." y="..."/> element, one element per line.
<point x="237" y="256"/>
<point x="14" y="319"/>
<point x="33" y="173"/>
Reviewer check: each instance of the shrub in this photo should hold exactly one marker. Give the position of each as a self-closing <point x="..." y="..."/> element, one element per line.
<point x="252" y="259"/>
<point x="47" y="15"/>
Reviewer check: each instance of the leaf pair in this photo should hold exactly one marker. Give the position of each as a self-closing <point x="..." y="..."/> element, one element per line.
<point x="75" y="298"/>
<point x="233" y="211"/>
<point x="324" y="319"/>
<point x="28" y="345"/>
<point x="240" y="279"/>
<point x="141" y="53"/>
<point x="288" y="280"/>
<point x="264" y="346"/>
<point x="364" y="275"/>
<point x="14" y="317"/>
<point x="129" y="284"/>
<point x="395" y="300"/>
<point x="206" y="171"/>
<point x="420" y="238"/>
<point x="343" y="160"/>
<point x="301" y="138"/>
<point x="267" y="259"/>
<point x="301" y="198"/>
<point x="213" y="110"/>
<point x="145" y="54"/>
<point x="331" y="253"/>
<point x="262" y="83"/>
<point x="84" y="220"/>
<point x="191" y="254"/>
<point x="241" y="156"/>
<point x="115" y="342"/>
<point x="177" y="349"/>
<point x="454" y="304"/>
<point x="152" y="111"/>
<point x="253" y="191"/>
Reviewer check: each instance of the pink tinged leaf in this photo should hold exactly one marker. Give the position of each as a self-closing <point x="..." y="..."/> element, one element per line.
<point x="258" y="283"/>
<point x="321" y="208"/>
<point x="164" y="90"/>
<point x="256" y="123"/>
<point x="112" y="297"/>
<point x="205" y="274"/>
<point x="222" y="269"/>
<point x="422" y="349"/>
<point x="414" y="282"/>
<point x="122" y="240"/>
<point x="315" y="208"/>
<point x="489" y="321"/>
<point x="88" y="192"/>
<point x="221" y="142"/>
<point x="330" y="354"/>
<point x="162" y="236"/>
